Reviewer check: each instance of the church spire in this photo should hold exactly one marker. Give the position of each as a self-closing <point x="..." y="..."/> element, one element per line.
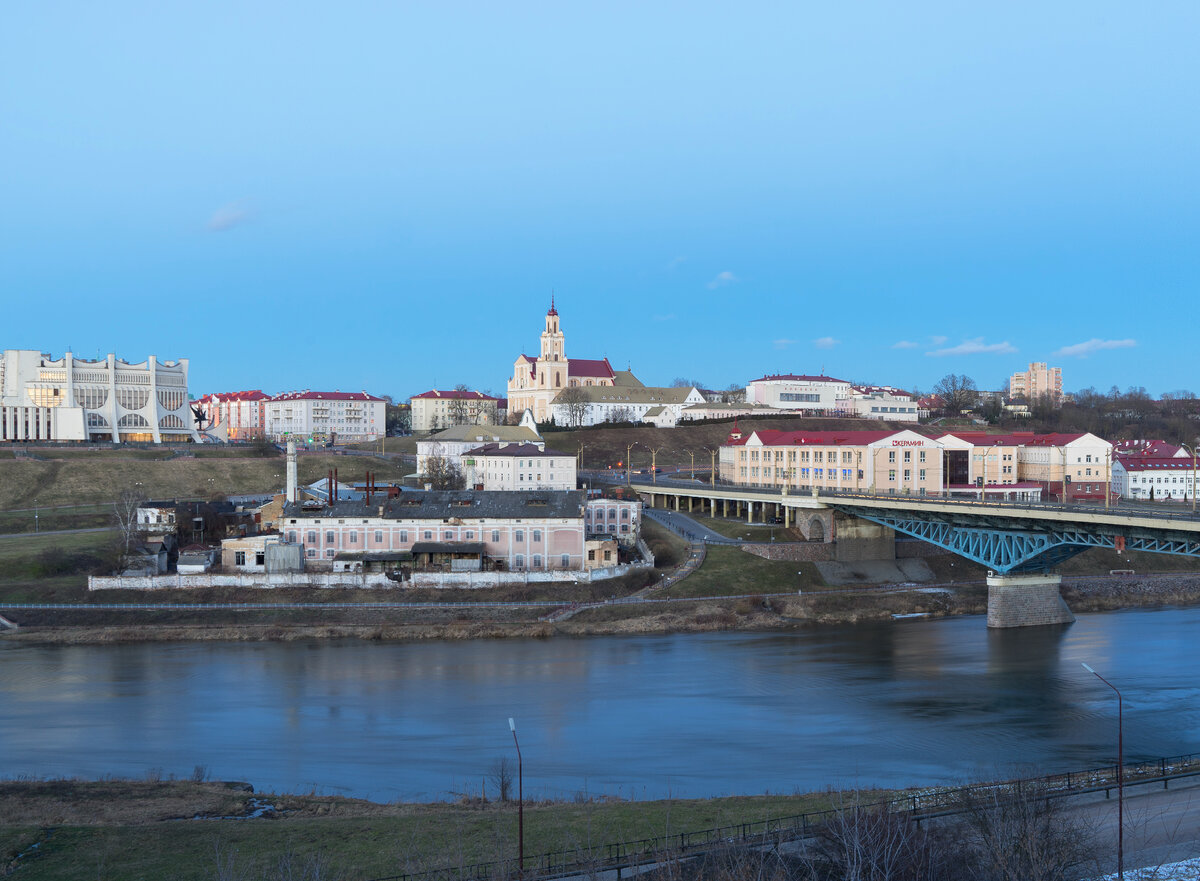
<point x="552" y="311"/>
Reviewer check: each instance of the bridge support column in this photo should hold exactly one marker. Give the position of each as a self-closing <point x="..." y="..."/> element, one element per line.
<point x="1026" y="601"/>
<point x="749" y="512"/>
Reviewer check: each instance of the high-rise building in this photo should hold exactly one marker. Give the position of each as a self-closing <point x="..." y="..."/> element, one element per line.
<point x="1037" y="382"/>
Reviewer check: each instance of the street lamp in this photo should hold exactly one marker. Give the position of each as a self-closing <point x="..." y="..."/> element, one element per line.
<point x="35" y="515"/>
<point x="654" y="463"/>
<point x="520" y="803"/>
<point x="1192" y="450"/>
<point x="1120" y="776"/>
<point x="629" y="462"/>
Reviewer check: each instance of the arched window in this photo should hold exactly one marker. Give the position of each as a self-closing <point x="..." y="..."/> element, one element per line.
<point x="557" y="379"/>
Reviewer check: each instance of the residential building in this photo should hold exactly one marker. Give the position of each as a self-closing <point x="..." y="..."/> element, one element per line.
<point x="453" y="442"/>
<point x="619" y="518"/>
<point x="76" y="399"/>
<point x="717" y="410"/>
<point x="326" y="417"/>
<point x="497" y="467"/>
<point x="234" y="416"/>
<point x="1036" y="382"/>
<point x="454" y="530"/>
<point x="1154" y="478"/>
<point x="592" y="405"/>
<point x="891" y="462"/>
<point x="434" y="410"/>
<point x="536" y="382"/>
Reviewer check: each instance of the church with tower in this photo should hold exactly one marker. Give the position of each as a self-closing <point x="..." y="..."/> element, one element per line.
<point x="536" y="382"/>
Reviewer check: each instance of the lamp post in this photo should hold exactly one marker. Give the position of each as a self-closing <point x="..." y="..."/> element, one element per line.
<point x="654" y="463"/>
<point x="712" y="474"/>
<point x="1120" y="776"/>
<point x="35" y="516"/>
<point x="520" y="803"/>
<point x="629" y="462"/>
<point x="1192" y="450"/>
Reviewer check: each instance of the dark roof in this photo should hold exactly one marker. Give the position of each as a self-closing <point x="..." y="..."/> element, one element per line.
<point x="448" y="547"/>
<point x="375" y="556"/>
<point x="456" y="394"/>
<point x="324" y="396"/>
<point x="449" y="504"/>
<point x="793" y="377"/>
<point x="523" y="450"/>
<point x="590" y="367"/>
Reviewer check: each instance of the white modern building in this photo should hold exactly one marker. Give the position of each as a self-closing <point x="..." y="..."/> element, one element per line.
<point x="880" y="402"/>
<point x="347" y="417"/>
<point x="788" y="391"/>
<point x="496" y="466"/>
<point x="76" y="399"/>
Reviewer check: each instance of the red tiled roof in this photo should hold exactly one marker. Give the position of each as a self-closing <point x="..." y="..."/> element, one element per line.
<point x="325" y="396"/>
<point x="1013" y="439"/>
<point x="1155" y="463"/>
<point x="456" y="394"/>
<point x="256" y="395"/>
<point x="773" y="438"/>
<point x="1148" y="449"/>
<point x="588" y="367"/>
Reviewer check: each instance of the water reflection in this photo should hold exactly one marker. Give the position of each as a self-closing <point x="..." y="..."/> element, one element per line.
<point x="896" y="703"/>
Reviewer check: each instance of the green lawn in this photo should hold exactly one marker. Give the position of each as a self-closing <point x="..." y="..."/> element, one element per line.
<point x="728" y="571"/>
<point x="360" y="841"/>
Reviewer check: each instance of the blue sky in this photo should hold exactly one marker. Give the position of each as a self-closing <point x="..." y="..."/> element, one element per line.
<point x="382" y="196"/>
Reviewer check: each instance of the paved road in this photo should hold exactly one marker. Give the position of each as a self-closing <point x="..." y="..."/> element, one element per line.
<point x="685" y="526"/>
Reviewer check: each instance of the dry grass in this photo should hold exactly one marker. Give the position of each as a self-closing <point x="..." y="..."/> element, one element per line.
<point x="101" y="476"/>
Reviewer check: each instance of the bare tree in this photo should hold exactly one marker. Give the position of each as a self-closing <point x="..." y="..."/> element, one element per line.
<point x="125" y="510"/>
<point x="684" y="382"/>
<point x="459" y="408"/>
<point x="734" y="394"/>
<point x="957" y="392"/>
<point x="502" y="777"/>
<point x="443" y="472"/>
<point x="575" y="399"/>
<point x="620" y="414"/>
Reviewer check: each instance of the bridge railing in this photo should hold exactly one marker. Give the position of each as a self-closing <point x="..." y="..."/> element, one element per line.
<point x="1157" y="511"/>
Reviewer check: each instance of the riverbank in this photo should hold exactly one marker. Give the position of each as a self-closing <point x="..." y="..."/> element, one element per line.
<point x="759" y="613"/>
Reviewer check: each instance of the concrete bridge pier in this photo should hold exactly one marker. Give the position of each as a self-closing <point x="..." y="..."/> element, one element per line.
<point x="1026" y="601"/>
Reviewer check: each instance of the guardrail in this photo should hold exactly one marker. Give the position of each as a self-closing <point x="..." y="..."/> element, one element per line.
<point x="923" y="805"/>
<point x="1120" y="506"/>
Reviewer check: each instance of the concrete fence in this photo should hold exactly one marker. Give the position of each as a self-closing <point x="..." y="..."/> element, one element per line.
<point x="355" y="580"/>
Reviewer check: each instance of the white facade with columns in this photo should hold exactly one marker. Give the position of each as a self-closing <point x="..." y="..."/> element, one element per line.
<point x="75" y="399"/>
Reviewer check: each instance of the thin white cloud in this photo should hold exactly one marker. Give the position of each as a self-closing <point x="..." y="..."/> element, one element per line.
<point x="1082" y="350"/>
<point x="905" y="344"/>
<point x="938" y="340"/>
<point x="722" y="279"/>
<point x="228" y="216"/>
<point x="825" y="342"/>
<point x="975" y="347"/>
<point x="784" y="343"/>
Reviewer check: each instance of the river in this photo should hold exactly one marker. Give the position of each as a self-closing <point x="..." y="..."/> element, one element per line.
<point x="907" y="702"/>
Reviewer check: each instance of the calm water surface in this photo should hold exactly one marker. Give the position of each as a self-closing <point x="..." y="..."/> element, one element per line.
<point x="907" y="702"/>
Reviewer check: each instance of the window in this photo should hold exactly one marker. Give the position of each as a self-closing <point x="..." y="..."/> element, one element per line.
<point x="495" y="535"/>
<point x="537" y="561"/>
<point x="378" y="536"/>
<point x="329" y="554"/>
<point x="624" y="527"/>
<point x="907" y="473"/>
<point x="892" y="475"/>
<point x="239" y="558"/>
<point x="922" y="455"/>
<point x="404" y="535"/>
<point x="291" y="536"/>
<point x="260" y="558"/>
<point x="519" y="535"/>
<point x="607" y="556"/>
<point x="329" y="539"/>
<point x="519" y="561"/>
<point x="592" y="555"/>
<point x="428" y="534"/>
<point x="447" y="535"/>
<point x="537" y="535"/>
<point x="922" y="474"/>
<point x="624" y="513"/>
<point x="891" y="455"/>
<point x="565" y="561"/>
<point x="311" y="552"/>
<point x="908" y="455"/>
<point x="353" y="538"/>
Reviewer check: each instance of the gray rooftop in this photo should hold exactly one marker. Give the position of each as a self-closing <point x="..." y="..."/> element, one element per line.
<point x="451" y="504"/>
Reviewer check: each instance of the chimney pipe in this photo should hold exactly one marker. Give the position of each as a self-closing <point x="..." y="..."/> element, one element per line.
<point x="291" y="471"/>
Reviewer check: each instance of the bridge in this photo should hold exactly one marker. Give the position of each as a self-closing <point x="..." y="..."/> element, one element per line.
<point x="1019" y="541"/>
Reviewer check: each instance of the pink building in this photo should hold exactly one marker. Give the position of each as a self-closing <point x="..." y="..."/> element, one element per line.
<point x="235" y="415"/>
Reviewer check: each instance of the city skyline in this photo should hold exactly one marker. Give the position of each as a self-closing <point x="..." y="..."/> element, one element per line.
<point x="387" y="199"/>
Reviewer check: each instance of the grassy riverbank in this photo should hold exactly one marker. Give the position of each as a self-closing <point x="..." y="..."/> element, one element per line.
<point x="118" y="830"/>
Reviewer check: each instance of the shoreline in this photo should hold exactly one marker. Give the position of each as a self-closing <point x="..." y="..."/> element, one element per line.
<point x="770" y="613"/>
